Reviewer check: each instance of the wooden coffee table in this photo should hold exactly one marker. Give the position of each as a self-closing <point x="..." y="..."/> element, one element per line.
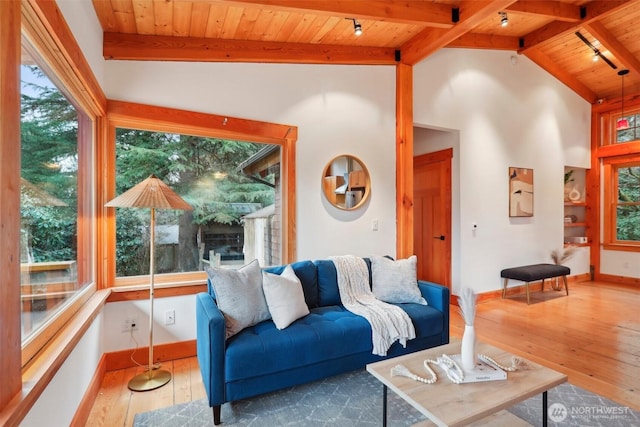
<point x="449" y="404"/>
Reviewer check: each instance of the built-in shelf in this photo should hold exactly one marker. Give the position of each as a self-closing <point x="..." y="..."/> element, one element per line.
<point x="575" y="207"/>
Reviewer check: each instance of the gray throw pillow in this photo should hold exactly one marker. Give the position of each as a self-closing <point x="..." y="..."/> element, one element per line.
<point x="396" y="281"/>
<point x="239" y="296"/>
<point x="284" y="296"/>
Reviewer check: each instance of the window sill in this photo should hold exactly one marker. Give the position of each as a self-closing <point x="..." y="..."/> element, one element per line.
<point x="626" y="247"/>
<point x="141" y="292"/>
<point x="37" y="375"/>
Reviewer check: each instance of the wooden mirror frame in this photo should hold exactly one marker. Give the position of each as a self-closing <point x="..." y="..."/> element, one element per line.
<point x="343" y="178"/>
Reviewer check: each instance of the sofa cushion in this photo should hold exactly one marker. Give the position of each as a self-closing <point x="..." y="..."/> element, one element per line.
<point x="427" y="320"/>
<point x="306" y="272"/>
<point x="239" y="296"/>
<point x="396" y="281"/>
<point x="284" y="296"/>
<point x="328" y="293"/>
<point x="326" y="333"/>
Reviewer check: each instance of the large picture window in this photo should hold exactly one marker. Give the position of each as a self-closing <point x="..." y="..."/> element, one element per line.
<point x="232" y="185"/>
<point x="55" y="191"/>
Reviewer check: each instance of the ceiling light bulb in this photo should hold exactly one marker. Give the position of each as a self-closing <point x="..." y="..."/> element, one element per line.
<point x="504" y="21"/>
<point x="595" y="57"/>
<point x="357" y="28"/>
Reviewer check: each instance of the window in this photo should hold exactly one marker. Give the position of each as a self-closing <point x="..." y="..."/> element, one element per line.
<point x="238" y="174"/>
<point x="56" y="190"/>
<point x="626" y="135"/>
<point x="228" y="183"/>
<point x="622" y="201"/>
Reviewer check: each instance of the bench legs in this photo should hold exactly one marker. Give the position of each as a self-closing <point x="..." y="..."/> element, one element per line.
<point x="506" y="282"/>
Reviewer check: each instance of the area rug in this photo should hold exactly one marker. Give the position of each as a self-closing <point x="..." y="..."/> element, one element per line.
<point x="355" y="400"/>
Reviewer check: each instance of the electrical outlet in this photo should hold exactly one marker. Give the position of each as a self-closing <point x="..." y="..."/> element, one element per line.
<point x="170" y="317"/>
<point x="130" y="324"/>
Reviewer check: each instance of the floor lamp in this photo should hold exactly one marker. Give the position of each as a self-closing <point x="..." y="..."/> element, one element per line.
<point x="154" y="194"/>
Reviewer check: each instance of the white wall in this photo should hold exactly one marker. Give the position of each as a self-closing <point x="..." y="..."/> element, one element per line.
<point x="58" y="403"/>
<point x="507" y="113"/>
<point x="184" y="328"/>
<point x="337" y="109"/>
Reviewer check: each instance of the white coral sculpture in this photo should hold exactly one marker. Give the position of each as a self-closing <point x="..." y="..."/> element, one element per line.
<point x="467" y="305"/>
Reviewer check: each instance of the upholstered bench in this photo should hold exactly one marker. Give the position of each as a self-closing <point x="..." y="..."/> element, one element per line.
<point x="531" y="273"/>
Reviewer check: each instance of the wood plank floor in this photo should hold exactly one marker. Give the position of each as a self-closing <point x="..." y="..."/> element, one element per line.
<point x="593" y="336"/>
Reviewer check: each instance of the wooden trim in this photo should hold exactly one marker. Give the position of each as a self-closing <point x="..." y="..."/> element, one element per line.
<point x="161" y="352"/>
<point x="633" y="282"/>
<point x="142" y="292"/>
<point x="404" y="160"/>
<point x="86" y="404"/>
<point x="41" y="370"/>
<point x="10" y="199"/>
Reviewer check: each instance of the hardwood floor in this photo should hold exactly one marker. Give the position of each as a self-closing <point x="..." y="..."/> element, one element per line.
<point x="593" y="336"/>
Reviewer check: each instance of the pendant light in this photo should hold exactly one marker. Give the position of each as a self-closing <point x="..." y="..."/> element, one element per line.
<point x="622" y="123"/>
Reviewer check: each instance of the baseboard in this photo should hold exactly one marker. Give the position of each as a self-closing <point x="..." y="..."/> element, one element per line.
<point x="522" y="289"/>
<point x="621" y="280"/>
<point x="161" y="353"/>
<point x="84" y="409"/>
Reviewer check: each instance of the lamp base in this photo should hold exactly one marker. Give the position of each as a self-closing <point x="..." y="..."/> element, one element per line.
<point x="146" y="381"/>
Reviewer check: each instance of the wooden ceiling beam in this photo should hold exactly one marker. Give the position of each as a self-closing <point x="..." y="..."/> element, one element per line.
<point x="193" y="49"/>
<point x="485" y="41"/>
<point x="593" y="11"/>
<point x="471" y="14"/>
<point x="598" y="30"/>
<point x="548" y="9"/>
<point x="413" y="12"/>
<point x="561" y="74"/>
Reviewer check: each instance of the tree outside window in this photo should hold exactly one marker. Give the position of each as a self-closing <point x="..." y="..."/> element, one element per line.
<point x="207" y="173"/>
<point x="627" y="209"/>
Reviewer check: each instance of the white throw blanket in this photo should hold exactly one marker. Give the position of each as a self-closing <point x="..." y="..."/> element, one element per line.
<point x="388" y="322"/>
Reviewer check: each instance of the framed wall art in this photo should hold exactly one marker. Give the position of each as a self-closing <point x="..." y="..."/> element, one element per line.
<point x="520" y="192"/>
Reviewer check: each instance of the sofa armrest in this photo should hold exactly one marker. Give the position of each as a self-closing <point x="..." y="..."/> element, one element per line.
<point x="438" y="297"/>
<point x="210" y="334"/>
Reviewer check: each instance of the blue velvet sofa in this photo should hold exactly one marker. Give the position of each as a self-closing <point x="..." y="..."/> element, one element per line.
<point x="328" y="341"/>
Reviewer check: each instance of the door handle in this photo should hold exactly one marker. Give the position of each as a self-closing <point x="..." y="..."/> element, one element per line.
<point x="439" y="237"/>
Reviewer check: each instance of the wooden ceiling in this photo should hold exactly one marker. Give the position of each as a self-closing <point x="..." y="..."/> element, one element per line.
<point x="320" y="31"/>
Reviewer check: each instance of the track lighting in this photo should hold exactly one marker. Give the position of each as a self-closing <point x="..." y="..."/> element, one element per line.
<point x="504" y="19"/>
<point x="357" y="27"/>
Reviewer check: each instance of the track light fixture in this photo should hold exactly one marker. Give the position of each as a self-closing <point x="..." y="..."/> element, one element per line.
<point x="357" y="27"/>
<point x="622" y="123"/>
<point x="504" y="19"/>
<point x="596" y="52"/>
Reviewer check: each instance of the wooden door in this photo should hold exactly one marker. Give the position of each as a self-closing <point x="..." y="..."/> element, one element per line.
<point x="432" y="216"/>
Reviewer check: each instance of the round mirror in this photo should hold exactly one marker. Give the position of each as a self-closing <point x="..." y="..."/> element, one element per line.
<point x="345" y="182"/>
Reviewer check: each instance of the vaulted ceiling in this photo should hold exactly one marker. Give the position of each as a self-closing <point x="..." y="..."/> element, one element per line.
<point x="322" y="31"/>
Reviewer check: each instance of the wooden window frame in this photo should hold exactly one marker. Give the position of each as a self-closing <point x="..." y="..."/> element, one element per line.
<point x="160" y="119"/>
<point x="610" y="202"/>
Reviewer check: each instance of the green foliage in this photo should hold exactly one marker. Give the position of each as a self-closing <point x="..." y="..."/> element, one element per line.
<point x="628" y="211"/>
<point x="49" y="156"/>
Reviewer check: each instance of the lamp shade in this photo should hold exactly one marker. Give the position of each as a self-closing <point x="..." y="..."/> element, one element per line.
<point x="150" y="193"/>
<point x="622" y="124"/>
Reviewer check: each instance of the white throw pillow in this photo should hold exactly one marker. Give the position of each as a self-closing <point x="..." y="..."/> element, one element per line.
<point x="284" y="296"/>
<point x="239" y="296"/>
<point x="396" y="281"/>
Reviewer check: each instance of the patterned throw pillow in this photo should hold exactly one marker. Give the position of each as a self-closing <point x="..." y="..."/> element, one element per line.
<point x="396" y="281"/>
<point x="284" y="296"/>
<point x="239" y="296"/>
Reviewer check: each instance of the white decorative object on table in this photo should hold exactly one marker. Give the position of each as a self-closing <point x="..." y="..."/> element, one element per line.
<point x="467" y="308"/>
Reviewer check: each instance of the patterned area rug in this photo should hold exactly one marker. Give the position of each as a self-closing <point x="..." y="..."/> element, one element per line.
<point x="355" y="400"/>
